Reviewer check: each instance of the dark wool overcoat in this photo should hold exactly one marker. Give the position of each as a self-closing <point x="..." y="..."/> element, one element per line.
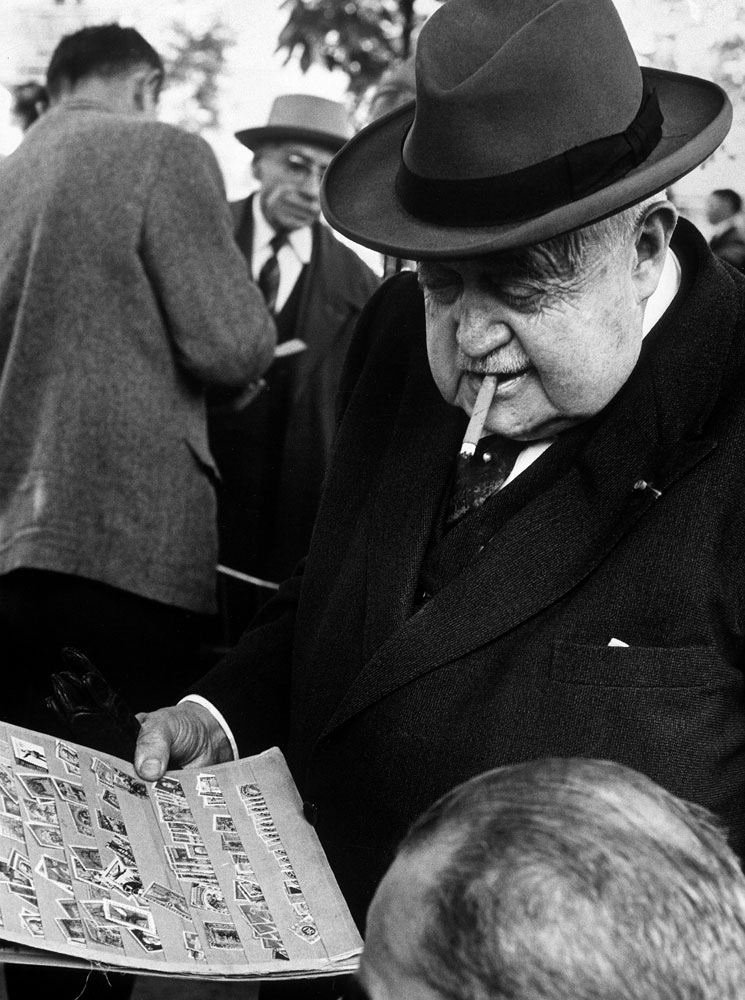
<point x="634" y="530"/>
<point x="271" y="500"/>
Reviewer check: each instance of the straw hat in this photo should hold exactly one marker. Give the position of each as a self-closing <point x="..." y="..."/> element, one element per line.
<point x="532" y="118"/>
<point x="302" y="118"/>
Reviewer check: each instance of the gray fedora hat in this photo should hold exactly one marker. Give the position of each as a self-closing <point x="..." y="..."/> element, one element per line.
<point x="532" y="118"/>
<point x="302" y="118"/>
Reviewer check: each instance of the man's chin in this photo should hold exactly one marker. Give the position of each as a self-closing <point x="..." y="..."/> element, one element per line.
<point x="527" y="429"/>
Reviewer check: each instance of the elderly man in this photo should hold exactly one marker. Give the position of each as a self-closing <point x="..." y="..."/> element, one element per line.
<point x="577" y="587"/>
<point x="122" y="297"/>
<point x="273" y="455"/>
<point x="560" y="879"/>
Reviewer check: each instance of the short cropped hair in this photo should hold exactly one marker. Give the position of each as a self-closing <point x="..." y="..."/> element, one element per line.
<point x="102" y="50"/>
<point x="732" y="198"/>
<point x="578" y="880"/>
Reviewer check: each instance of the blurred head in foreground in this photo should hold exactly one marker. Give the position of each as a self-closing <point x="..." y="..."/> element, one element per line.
<point x="559" y="879"/>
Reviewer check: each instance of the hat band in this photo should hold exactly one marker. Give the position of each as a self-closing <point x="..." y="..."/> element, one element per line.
<point x="533" y="191"/>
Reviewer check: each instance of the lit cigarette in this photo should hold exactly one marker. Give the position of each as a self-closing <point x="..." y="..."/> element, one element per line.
<point x="479" y="415"/>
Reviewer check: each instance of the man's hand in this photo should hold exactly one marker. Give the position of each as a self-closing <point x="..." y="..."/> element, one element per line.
<point x="183" y="735"/>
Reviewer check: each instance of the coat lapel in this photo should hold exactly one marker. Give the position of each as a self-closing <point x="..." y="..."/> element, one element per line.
<point x="416" y="471"/>
<point x="323" y="313"/>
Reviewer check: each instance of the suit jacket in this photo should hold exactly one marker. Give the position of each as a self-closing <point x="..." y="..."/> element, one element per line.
<point x="730" y="246"/>
<point x="122" y="295"/>
<point x="382" y="705"/>
<point x="335" y="286"/>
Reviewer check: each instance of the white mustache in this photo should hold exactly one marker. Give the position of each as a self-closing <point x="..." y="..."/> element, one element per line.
<point x="492" y="364"/>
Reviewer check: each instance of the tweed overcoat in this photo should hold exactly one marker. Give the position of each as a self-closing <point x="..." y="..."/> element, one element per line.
<point x="335" y="286"/>
<point x="382" y="706"/>
<point x="122" y="295"/>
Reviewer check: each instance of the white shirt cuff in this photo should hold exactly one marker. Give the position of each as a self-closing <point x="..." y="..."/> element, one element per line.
<point x="218" y="716"/>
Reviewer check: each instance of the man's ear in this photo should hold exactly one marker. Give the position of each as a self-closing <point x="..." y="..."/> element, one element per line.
<point x="146" y="84"/>
<point x="652" y="240"/>
<point x="139" y="90"/>
<point x="256" y="165"/>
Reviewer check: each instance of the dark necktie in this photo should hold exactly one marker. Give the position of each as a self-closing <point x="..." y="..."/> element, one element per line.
<point x="268" y="280"/>
<point x="477" y="478"/>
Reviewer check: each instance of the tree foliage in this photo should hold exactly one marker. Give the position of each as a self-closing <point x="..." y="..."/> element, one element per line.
<point x="360" y="37"/>
<point x="195" y="61"/>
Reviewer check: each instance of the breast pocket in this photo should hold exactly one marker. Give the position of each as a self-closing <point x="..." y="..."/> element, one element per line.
<point x="639" y="667"/>
<point x="674" y="713"/>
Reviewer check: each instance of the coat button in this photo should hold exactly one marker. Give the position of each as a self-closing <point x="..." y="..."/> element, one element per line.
<point x="310" y="812"/>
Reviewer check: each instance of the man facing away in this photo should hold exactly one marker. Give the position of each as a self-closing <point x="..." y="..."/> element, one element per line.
<point x="727" y="241"/>
<point x="558" y="879"/>
<point x="122" y="297"/>
<point x="273" y="454"/>
<point x="577" y="586"/>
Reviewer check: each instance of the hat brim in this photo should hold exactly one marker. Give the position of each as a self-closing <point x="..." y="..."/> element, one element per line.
<point x="359" y="198"/>
<point x="254" y="137"/>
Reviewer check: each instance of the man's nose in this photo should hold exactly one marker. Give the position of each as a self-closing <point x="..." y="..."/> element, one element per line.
<point x="481" y="326"/>
<point x="311" y="184"/>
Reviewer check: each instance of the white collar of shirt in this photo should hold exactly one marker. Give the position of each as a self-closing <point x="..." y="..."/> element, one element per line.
<point x="292" y="256"/>
<point x="657" y="305"/>
<point x="666" y="290"/>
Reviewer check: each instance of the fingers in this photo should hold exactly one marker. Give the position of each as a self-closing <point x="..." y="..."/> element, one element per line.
<point x="176" y="737"/>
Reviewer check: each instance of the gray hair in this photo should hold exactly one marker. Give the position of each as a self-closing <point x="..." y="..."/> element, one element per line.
<point x="579" y="880"/>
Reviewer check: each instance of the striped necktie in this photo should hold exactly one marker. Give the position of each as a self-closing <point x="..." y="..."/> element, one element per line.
<point x="268" y="280"/>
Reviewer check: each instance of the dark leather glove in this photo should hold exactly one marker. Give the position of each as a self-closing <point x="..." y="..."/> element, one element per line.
<point x="92" y="712"/>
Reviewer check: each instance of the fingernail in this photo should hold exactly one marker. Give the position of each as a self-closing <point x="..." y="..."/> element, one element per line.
<point x="151" y="769"/>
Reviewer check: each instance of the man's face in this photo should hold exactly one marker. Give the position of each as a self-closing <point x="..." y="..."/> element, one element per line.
<point x="392" y="959"/>
<point x="561" y="344"/>
<point x="290" y="175"/>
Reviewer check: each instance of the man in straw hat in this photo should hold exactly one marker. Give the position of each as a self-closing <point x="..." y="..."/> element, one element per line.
<point x="576" y="586"/>
<point x="273" y="454"/>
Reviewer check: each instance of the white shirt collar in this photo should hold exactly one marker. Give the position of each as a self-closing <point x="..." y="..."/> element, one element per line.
<point x="667" y="288"/>
<point x="299" y="240"/>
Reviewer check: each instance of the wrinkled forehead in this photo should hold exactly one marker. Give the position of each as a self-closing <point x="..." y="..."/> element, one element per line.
<point x="541" y="264"/>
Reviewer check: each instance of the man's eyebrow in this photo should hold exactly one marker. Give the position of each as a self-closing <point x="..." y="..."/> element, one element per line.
<point x="426" y="267"/>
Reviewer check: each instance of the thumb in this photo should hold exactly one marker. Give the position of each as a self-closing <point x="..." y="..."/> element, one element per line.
<point x="153" y="751"/>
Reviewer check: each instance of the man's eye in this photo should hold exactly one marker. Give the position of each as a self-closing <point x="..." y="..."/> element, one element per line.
<point x="443" y="286"/>
<point x="518" y="297"/>
<point x="297" y="164"/>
